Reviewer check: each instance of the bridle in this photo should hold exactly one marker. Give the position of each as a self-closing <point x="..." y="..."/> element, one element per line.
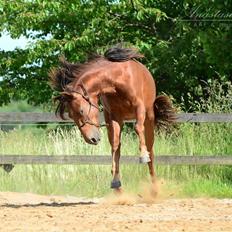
<point x="85" y="96"/>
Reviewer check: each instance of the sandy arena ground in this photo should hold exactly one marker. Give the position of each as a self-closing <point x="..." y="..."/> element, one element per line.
<point x="24" y="212"/>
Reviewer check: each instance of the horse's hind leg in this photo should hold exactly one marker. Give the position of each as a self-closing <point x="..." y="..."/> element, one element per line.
<point x="149" y="137"/>
<point x="114" y="134"/>
<point x="140" y="130"/>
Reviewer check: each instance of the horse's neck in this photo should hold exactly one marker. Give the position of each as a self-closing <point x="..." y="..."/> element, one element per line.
<point x="97" y="85"/>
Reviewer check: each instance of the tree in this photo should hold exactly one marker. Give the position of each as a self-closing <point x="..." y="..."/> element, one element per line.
<point x="181" y="55"/>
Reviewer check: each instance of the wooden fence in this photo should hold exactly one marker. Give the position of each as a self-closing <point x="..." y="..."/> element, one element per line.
<point x="106" y="159"/>
<point x="25" y="118"/>
<point x="28" y="117"/>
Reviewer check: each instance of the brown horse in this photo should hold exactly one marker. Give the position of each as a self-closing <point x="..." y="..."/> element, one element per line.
<point x="127" y="91"/>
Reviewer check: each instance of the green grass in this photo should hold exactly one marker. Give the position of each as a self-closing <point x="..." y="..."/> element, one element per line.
<point x="94" y="180"/>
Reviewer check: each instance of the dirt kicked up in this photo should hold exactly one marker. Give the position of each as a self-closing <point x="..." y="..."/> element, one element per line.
<point x="24" y="212"/>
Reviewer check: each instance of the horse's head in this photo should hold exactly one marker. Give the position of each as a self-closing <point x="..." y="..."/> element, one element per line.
<point x="84" y="110"/>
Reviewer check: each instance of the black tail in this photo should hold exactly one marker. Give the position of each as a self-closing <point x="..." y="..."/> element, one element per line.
<point x="165" y="113"/>
<point x="119" y="54"/>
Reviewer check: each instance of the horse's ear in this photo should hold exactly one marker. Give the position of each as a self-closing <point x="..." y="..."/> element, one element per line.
<point x="86" y="95"/>
<point x="67" y="96"/>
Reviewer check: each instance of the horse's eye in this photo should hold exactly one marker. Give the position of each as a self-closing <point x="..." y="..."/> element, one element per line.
<point x="81" y="112"/>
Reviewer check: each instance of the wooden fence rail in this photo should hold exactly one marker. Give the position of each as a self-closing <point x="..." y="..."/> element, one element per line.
<point x="106" y="159"/>
<point x="29" y="117"/>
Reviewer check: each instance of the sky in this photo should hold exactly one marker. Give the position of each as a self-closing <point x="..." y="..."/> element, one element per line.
<point x="9" y="44"/>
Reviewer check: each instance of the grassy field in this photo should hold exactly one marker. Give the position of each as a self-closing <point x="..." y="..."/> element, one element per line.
<point x="94" y="180"/>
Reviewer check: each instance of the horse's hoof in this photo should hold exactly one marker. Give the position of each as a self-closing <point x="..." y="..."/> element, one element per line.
<point x="144" y="159"/>
<point x="115" y="184"/>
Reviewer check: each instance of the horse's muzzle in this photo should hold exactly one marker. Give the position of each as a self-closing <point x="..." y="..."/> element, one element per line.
<point x="94" y="137"/>
<point x="94" y="141"/>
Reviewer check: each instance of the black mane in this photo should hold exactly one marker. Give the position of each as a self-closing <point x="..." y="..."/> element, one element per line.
<point x="62" y="76"/>
<point x="119" y="54"/>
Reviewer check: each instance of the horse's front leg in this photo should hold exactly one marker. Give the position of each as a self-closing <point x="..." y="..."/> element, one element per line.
<point x="114" y="135"/>
<point x="139" y="128"/>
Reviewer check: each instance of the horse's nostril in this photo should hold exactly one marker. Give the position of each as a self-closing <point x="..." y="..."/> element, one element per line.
<point x="94" y="140"/>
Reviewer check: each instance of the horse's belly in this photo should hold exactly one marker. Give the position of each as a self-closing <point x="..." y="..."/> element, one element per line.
<point x="125" y="111"/>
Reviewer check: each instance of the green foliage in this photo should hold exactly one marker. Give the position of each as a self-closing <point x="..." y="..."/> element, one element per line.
<point x="180" y="54"/>
<point x="217" y="98"/>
